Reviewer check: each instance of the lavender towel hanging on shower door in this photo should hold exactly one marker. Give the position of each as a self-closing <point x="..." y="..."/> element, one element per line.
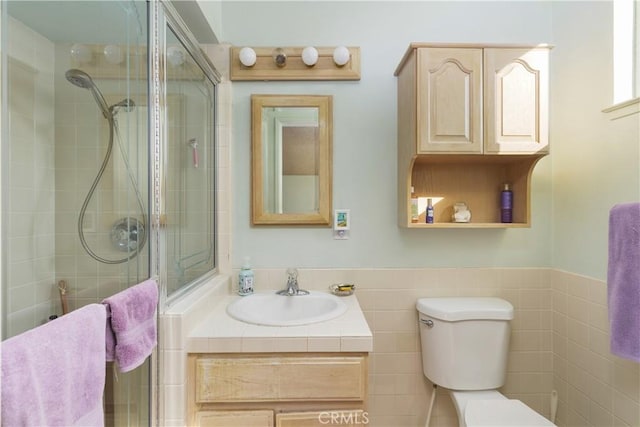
<point x="53" y="375"/>
<point x="131" y="327"/>
<point x="623" y="280"/>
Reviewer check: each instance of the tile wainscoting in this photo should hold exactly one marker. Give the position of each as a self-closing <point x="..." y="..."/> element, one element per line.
<point x="559" y="341"/>
<point x="595" y="388"/>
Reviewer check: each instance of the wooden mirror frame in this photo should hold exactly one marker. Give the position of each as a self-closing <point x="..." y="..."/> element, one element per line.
<point x="324" y="103"/>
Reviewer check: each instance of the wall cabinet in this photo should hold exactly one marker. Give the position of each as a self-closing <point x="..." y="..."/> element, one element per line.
<point x="286" y="389"/>
<point x="470" y="118"/>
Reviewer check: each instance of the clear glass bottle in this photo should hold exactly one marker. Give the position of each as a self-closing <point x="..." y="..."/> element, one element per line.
<point x="414" y="206"/>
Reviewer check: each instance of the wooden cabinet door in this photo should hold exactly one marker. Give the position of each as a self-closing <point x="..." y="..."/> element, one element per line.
<point x="516" y="100"/>
<point x="449" y="104"/>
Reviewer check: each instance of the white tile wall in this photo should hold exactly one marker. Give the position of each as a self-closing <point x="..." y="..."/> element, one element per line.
<point x="595" y="388"/>
<point x="32" y="294"/>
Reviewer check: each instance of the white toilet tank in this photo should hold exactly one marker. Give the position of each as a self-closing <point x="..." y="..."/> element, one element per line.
<point x="465" y="341"/>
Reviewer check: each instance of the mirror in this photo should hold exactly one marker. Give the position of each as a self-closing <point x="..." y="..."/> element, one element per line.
<point x="291" y="159"/>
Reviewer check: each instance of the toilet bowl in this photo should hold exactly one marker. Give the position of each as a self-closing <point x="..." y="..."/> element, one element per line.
<point x="490" y="408"/>
<point x="465" y="345"/>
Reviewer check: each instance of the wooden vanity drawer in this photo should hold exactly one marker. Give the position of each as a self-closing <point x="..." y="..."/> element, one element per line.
<point x="280" y="378"/>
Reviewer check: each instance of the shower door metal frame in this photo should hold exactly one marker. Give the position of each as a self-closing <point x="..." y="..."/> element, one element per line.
<point x="162" y="15"/>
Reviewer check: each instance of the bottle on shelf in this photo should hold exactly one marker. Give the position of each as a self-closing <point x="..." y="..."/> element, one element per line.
<point x="506" y="204"/>
<point x="429" y="215"/>
<point x="414" y="206"/>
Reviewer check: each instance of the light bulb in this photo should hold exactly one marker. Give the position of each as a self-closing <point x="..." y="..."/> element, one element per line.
<point x="341" y="56"/>
<point x="310" y="56"/>
<point x="247" y="57"/>
<point x="81" y="53"/>
<point x="113" y="54"/>
<point x="175" y="55"/>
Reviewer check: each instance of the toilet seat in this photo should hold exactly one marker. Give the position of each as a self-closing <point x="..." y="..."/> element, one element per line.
<point x="502" y="412"/>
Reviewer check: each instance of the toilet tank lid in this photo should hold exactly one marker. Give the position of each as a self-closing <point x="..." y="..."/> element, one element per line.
<point x="465" y="308"/>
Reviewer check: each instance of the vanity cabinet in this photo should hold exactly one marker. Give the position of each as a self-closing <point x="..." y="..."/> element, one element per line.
<point x="470" y="119"/>
<point x="282" y="389"/>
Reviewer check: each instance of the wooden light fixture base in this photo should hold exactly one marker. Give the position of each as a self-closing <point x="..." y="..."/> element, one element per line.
<point x="266" y="69"/>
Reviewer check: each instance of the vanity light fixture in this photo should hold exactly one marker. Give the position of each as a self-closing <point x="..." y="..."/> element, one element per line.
<point x="294" y="63"/>
<point x="247" y="57"/>
<point x="310" y="56"/>
<point x="113" y="54"/>
<point x="81" y="53"/>
<point x="341" y="56"/>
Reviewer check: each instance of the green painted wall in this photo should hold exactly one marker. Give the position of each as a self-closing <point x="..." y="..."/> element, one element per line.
<point x="594" y="162"/>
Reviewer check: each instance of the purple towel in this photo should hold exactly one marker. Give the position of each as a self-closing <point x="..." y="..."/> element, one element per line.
<point x="131" y="329"/>
<point x="54" y="375"/>
<point x="623" y="280"/>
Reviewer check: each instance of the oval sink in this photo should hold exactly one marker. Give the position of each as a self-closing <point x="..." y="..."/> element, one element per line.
<point x="271" y="309"/>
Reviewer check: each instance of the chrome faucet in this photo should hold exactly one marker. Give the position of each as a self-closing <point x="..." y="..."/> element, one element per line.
<point x="292" y="284"/>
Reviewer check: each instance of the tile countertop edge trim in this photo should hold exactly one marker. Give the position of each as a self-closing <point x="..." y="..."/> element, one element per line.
<point x="228" y="335"/>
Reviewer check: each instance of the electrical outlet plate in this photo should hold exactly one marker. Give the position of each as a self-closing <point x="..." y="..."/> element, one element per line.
<point x="341" y="224"/>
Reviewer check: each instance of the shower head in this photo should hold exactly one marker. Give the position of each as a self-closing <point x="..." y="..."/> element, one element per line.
<point x="79" y="78"/>
<point x="83" y="80"/>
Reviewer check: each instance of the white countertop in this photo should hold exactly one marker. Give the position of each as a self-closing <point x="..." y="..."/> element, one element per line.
<point x="220" y="333"/>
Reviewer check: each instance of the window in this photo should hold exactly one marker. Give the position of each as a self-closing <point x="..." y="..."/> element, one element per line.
<point x="626" y="50"/>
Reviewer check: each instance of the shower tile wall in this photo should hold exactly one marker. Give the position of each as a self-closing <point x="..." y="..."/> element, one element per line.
<point x="32" y="295"/>
<point x="56" y="141"/>
<point x="53" y="134"/>
<point x="82" y="134"/>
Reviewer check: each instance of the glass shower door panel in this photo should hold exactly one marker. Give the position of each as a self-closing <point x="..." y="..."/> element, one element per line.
<point x="76" y="111"/>
<point x="190" y="171"/>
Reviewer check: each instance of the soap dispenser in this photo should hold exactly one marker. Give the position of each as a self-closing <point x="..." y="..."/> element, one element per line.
<point x="245" y="278"/>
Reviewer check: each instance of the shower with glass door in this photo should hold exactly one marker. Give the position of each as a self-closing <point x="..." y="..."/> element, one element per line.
<point x="83" y="213"/>
<point x="75" y="168"/>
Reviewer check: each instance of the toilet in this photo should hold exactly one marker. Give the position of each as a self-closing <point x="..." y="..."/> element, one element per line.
<point x="465" y="344"/>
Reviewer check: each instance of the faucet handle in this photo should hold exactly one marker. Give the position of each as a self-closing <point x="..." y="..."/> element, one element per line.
<point x="292" y="274"/>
